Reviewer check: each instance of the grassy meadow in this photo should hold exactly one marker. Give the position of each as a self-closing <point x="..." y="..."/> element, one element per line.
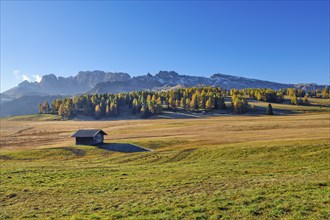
<point x="224" y="167"/>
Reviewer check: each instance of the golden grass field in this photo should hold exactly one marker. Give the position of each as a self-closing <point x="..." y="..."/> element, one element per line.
<point x="224" y="167"/>
<point x="192" y="132"/>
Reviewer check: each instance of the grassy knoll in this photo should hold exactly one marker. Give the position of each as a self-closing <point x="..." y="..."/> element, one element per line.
<point x="228" y="167"/>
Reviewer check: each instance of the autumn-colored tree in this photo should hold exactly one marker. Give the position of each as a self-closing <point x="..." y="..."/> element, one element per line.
<point x="97" y="111"/>
<point x="108" y="111"/>
<point x="152" y="108"/>
<point x="177" y="103"/>
<point x="60" y="110"/>
<point x="40" y="109"/>
<point x="239" y="104"/>
<point x="148" y="98"/>
<point x="159" y="101"/>
<point x="94" y="99"/>
<point x="292" y="92"/>
<point x="259" y="96"/>
<point x="56" y="105"/>
<point x="325" y="92"/>
<point x="188" y="103"/>
<point x="294" y="100"/>
<point x="202" y="103"/>
<point x="194" y="102"/>
<point x="135" y="106"/>
<point x="45" y="107"/>
<point x="209" y="105"/>
<point x="183" y="103"/>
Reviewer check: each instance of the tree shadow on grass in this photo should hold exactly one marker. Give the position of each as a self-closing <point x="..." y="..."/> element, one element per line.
<point x="122" y="147"/>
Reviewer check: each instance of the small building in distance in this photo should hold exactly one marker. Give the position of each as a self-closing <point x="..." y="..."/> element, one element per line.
<point x="89" y="137"/>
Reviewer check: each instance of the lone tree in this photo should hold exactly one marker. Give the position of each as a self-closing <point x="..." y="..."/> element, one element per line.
<point x="269" y="110"/>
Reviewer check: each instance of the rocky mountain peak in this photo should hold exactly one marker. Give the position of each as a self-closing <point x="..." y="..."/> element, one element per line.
<point x="48" y="78"/>
<point x="85" y="74"/>
<point x="167" y="74"/>
<point x="24" y="83"/>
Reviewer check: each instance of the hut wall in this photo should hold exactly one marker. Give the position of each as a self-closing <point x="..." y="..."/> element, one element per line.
<point x="84" y="140"/>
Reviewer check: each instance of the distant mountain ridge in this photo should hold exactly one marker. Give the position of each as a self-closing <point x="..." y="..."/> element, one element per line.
<point x="53" y="85"/>
<point x="114" y="82"/>
<point x="24" y="98"/>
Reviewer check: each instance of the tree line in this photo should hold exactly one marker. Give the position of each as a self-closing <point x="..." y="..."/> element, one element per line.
<point x="144" y="103"/>
<point x="148" y="103"/>
<point x="297" y="96"/>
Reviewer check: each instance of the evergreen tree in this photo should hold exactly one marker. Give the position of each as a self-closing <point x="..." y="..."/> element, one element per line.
<point x="202" y="99"/>
<point x="159" y="108"/>
<point x="279" y="97"/>
<point x="144" y="112"/>
<point x="113" y="109"/>
<point x="269" y="110"/>
<point x="171" y="102"/>
<point x="219" y="102"/>
<point x="103" y="108"/>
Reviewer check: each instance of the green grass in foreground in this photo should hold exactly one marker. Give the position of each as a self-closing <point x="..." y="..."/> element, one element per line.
<point x="239" y="181"/>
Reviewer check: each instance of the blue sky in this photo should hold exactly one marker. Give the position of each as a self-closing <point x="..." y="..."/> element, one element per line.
<point x="283" y="41"/>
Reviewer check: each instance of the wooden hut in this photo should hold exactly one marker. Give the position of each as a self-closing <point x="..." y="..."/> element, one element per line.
<point x="89" y="137"/>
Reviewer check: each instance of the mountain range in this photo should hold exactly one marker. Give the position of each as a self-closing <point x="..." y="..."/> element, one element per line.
<point x="97" y="81"/>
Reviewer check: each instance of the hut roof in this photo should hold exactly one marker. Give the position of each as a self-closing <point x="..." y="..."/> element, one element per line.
<point x="88" y="133"/>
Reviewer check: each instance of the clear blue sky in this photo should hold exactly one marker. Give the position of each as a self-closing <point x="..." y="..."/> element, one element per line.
<point x="283" y="41"/>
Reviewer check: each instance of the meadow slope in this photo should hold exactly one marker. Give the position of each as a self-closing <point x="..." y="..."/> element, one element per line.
<point x="229" y="167"/>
